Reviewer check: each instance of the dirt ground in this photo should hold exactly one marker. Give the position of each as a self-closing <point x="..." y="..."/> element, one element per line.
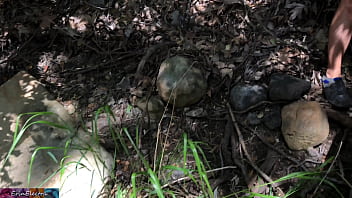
<point x="107" y="52"/>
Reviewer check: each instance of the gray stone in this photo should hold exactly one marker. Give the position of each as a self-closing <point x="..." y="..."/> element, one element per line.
<point x="285" y="87"/>
<point x="243" y="96"/>
<point x="155" y="107"/>
<point x="304" y="125"/>
<point x="179" y="82"/>
<point x="272" y="118"/>
<point x="253" y="119"/>
<point x="86" y="170"/>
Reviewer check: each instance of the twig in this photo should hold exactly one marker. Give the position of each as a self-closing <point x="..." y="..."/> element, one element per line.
<point x="256" y="16"/>
<point x="226" y="155"/>
<point x="223" y="112"/>
<point x="258" y="105"/>
<point x="188" y="178"/>
<point x="149" y="52"/>
<point x="339" y="117"/>
<point x="332" y="163"/>
<point x="14" y="55"/>
<point x="255" y="167"/>
<point x="345" y="180"/>
<point x="279" y="151"/>
<point x="159" y="134"/>
<point x="256" y="183"/>
<point x="106" y="65"/>
<point x="239" y="162"/>
<point x="252" y="107"/>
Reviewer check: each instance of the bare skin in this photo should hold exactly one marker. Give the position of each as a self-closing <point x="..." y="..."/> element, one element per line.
<point x="340" y="34"/>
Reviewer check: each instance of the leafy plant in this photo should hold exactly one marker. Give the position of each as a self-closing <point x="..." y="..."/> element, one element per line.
<point x="302" y="177"/>
<point x="62" y="163"/>
<point x="19" y="132"/>
<point x="146" y="181"/>
<point x="159" y="187"/>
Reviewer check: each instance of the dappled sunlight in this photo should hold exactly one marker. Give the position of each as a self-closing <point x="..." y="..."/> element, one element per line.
<point x="32" y="149"/>
<point x="50" y="62"/>
<point x="148" y="20"/>
<point x="105" y="65"/>
<point x="289" y="59"/>
<point x="80" y="23"/>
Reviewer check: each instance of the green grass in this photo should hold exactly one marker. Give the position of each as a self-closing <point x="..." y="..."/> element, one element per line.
<point x="146" y="178"/>
<point x="121" y="192"/>
<point x="302" y="177"/>
<point x="19" y="132"/>
<point x="158" y="187"/>
<point x="62" y="163"/>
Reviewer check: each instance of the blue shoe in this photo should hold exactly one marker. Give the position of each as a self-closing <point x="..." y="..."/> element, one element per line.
<point x="336" y="93"/>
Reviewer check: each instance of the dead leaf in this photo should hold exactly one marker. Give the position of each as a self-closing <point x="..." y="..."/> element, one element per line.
<point x="228" y="51"/>
<point x="22" y="30"/>
<point x="201" y="7"/>
<point x="46" y="21"/>
<point x="240" y="39"/>
<point x="229" y="2"/>
<point x="199" y="112"/>
<point x="296" y="10"/>
<point x="79" y="23"/>
<point x="258" y="75"/>
<point x="225" y="69"/>
<point x="260" y="115"/>
<point x="322" y="39"/>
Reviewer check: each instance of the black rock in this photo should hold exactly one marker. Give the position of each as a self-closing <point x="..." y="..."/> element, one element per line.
<point x="285" y="87"/>
<point x="252" y="118"/>
<point x="272" y="118"/>
<point x="243" y="96"/>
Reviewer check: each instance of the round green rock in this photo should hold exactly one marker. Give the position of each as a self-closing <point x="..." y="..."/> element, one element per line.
<point x="179" y="83"/>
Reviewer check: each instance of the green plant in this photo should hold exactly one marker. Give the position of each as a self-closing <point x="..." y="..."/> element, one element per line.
<point x="120" y="192"/>
<point x="62" y="163"/>
<point x="148" y="181"/>
<point x="19" y="132"/>
<point x="200" y="169"/>
<point x="302" y="177"/>
<point x="159" y="187"/>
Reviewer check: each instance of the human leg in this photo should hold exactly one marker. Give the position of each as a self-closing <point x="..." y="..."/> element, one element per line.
<point x="340" y="34"/>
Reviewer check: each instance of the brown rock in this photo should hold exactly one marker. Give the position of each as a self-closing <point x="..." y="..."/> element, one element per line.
<point x="180" y="83"/>
<point x="155" y="106"/>
<point x="304" y="125"/>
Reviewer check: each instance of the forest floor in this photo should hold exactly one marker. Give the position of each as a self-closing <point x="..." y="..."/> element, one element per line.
<point x="94" y="53"/>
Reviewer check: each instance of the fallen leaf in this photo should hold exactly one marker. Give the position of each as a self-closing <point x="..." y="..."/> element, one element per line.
<point x="296" y="10"/>
<point x="225" y="69"/>
<point x="46" y="21"/>
<point x="260" y="115"/>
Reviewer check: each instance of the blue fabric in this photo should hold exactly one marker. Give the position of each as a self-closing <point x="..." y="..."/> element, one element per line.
<point x="328" y="80"/>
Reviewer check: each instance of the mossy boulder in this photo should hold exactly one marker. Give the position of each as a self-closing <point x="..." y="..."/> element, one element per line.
<point x="179" y="82"/>
<point x="155" y="106"/>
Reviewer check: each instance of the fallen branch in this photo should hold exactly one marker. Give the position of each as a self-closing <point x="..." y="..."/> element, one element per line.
<point x="254" y="166"/>
<point x="339" y="117"/>
<point x="332" y="163"/>
<point x="277" y="150"/>
<point x="187" y="178"/>
<point x="146" y="56"/>
<point x="258" y="105"/>
<point x="106" y="65"/>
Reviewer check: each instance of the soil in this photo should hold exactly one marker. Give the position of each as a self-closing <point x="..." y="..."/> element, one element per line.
<point x="107" y="52"/>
